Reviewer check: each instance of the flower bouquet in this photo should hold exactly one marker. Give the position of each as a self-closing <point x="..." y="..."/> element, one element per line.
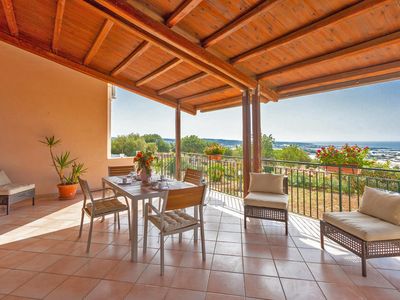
<point x="144" y="161"/>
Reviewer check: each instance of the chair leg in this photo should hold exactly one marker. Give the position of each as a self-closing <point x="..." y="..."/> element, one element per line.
<point x="364" y="259"/>
<point x="145" y="233"/>
<point x="33" y="201"/>
<point x="143" y="206"/>
<point x="203" y="246"/>
<point x="245" y="219"/>
<point x="115" y="218"/>
<point x="80" y="228"/>
<point x="90" y="234"/>
<point x="180" y="237"/>
<point x="8" y="206"/>
<point x="119" y="223"/>
<point x="129" y="225"/>
<point x="321" y="234"/>
<point x="286" y="222"/>
<point x="161" y="254"/>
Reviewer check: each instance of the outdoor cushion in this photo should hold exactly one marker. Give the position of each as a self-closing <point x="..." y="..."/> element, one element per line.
<point x="4" y="178"/>
<point x="381" y="204"/>
<point x="14" y="188"/>
<point x="266" y="183"/>
<point x="268" y="200"/>
<point x="173" y="220"/>
<point x="363" y="226"/>
<point x="102" y="207"/>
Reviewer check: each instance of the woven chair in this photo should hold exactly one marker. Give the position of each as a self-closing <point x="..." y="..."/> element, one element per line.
<point x="100" y="207"/>
<point x="172" y="219"/>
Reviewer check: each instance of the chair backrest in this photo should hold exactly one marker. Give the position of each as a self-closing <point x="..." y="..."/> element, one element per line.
<point x="183" y="198"/>
<point x="120" y="170"/>
<point x="193" y="176"/>
<point x="86" y="190"/>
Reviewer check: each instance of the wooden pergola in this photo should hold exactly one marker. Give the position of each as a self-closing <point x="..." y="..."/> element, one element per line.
<point x="203" y="55"/>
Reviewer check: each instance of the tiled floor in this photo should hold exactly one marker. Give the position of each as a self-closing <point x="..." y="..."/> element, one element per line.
<point x="41" y="257"/>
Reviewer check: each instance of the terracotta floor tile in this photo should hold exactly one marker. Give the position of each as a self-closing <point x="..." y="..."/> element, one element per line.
<point x="195" y="260"/>
<point x="226" y="283"/>
<point x="12" y="297"/>
<point x="392" y="275"/>
<point x="233" y="237"/>
<point x="113" y="252"/>
<point x="316" y="256"/>
<point x="180" y="294"/>
<point x="280" y="241"/>
<point x="329" y="273"/>
<point x="227" y="263"/>
<point x="215" y="296"/>
<point x="392" y="263"/>
<point x="196" y="247"/>
<point x="228" y="248"/>
<point x="73" y="288"/>
<point x="107" y="289"/>
<point x="96" y="268"/>
<point x="12" y="279"/>
<point x="379" y="293"/>
<point x="255" y="250"/>
<point x="373" y="279"/>
<point x="147" y="292"/>
<point x="171" y="258"/>
<point x="16" y="259"/>
<point x="40" y="245"/>
<point x="152" y="275"/>
<point x="230" y="227"/>
<point x="192" y="279"/>
<point x="40" y="285"/>
<point x="259" y="266"/>
<point x="263" y="287"/>
<point x="286" y="253"/>
<point x="336" y="291"/>
<point x="67" y="265"/>
<point x="126" y="271"/>
<point x="210" y="235"/>
<point x="293" y="269"/>
<point x="254" y="238"/>
<point x="40" y="262"/>
<point x="230" y="220"/>
<point x="301" y="289"/>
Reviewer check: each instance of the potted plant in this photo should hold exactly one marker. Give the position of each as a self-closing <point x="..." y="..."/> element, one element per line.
<point x="68" y="183"/>
<point x="215" y="151"/>
<point x="349" y="158"/>
<point x="144" y="161"/>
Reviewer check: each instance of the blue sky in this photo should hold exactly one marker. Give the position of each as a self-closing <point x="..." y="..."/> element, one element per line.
<point x="368" y="113"/>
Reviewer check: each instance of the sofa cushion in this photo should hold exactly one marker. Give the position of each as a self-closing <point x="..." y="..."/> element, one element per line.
<point x="266" y="183"/>
<point x="381" y="204"/>
<point x="14" y="188"/>
<point x="269" y="200"/>
<point x="4" y="178"/>
<point x="363" y="226"/>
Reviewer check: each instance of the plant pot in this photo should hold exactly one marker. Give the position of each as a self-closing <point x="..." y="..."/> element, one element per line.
<point x="215" y="157"/>
<point x="67" y="191"/>
<point x="144" y="177"/>
<point x="353" y="170"/>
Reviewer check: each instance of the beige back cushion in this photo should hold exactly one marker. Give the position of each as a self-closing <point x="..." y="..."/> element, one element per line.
<point x="381" y="204"/>
<point x="4" y="178"/>
<point x="266" y="183"/>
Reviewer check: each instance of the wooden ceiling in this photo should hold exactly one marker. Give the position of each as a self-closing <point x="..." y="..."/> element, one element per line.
<point x="203" y="53"/>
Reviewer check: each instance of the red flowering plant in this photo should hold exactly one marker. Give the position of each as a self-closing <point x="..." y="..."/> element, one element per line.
<point x="144" y="161"/>
<point x="346" y="155"/>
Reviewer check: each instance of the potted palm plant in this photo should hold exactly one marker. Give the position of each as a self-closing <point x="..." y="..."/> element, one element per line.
<point x="68" y="182"/>
<point x="215" y="151"/>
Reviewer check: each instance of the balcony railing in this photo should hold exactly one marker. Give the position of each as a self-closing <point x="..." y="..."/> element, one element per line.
<point x="312" y="189"/>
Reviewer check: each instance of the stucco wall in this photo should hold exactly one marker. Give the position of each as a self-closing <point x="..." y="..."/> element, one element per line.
<point x="38" y="98"/>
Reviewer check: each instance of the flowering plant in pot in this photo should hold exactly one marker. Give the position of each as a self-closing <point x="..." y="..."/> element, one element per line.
<point x="62" y="162"/>
<point x="348" y="157"/>
<point x="144" y="161"/>
<point x="215" y="151"/>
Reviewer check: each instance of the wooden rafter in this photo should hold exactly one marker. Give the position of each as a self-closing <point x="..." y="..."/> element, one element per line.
<point x="108" y="24"/>
<point x="376" y="70"/>
<point x="57" y="25"/>
<point x="224" y="103"/>
<point x="135" y="54"/>
<point x="381" y="42"/>
<point x="10" y="17"/>
<point x="182" y="11"/>
<point x="205" y="93"/>
<point x="290" y="37"/>
<point x="182" y="83"/>
<point x="161" y="70"/>
<point x="238" y="23"/>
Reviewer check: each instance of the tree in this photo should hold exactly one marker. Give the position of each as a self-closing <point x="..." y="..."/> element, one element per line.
<point x="162" y="146"/>
<point x="193" y="144"/>
<point x="292" y="153"/>
<point x="128" y="144"/>
<point x="267" y="144"/>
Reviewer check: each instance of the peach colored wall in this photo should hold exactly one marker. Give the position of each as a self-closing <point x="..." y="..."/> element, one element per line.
<point x="39" y="97"/>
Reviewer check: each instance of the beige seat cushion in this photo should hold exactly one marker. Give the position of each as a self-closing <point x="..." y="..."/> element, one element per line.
<point x="173" y="220"/>
<point x="381" y="204"/>
<point x="267" y="200"/>
<point x="14" y="188"/>
<point x="363" y="226"/>
<point x="266" y="183"/>
<point x="106" y="206"/>
<point x="4" y="178"/>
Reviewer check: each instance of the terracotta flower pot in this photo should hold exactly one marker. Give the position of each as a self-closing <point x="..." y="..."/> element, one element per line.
<point x="67" y="191"/>
<point x="215" y="156"/>
<point x="345" y="170"/>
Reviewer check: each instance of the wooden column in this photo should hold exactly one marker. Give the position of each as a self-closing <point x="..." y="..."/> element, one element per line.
<point x="178" y="142"/>
<point x="246" y="140"/>
<point x="256" y="118"/>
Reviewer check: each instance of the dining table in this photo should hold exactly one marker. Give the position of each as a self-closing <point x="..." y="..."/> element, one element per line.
<point x="137" y="191"/>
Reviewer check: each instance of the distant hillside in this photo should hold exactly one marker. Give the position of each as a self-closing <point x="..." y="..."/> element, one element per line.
<point x="226" y="143"/>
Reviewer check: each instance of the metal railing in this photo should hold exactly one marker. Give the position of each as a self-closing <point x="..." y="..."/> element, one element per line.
<point x="313" y="188"/>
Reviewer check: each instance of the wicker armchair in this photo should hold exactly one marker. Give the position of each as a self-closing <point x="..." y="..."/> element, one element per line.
<point x="172" y="219"/>
<point x="100" y="207"/>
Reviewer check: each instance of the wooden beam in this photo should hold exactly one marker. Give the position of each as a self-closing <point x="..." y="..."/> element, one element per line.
<point x="159" y="71"/>
<point x="256" y="118"/>
<point x="205" y="93"/>
<point x="343" y="85"/>
<point x="70" y="63"/>
<point x="181" y="83"/>
<point x="9" y="13"/>
<point x="381" y="41"/>
<point x="292" y="36"/>
<point x="57" y="25"/>
<point x="237" y="100"/>
<point x="380" y="69"/>
<point x="246" y="140"/>
<point x="135" y="54"/>
<point x="182" y="11"/>
<point x="238" y="22"/>
<point x="178" y="142"/>
<point x="108" y="24"/>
